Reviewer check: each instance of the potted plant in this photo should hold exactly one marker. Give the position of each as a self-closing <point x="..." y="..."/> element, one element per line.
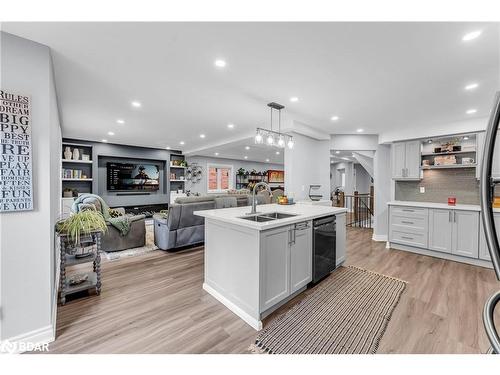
<point x="241" y="172"/>
<point x="78" y="231"/>
<point x="183" y="163"/>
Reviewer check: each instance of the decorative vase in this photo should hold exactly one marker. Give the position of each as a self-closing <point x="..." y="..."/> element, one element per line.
<point x="76" y="154"/>
<point x="67" y="153"/>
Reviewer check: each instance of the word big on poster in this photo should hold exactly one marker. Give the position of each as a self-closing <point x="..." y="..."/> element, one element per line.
<point x="16" y="180"/>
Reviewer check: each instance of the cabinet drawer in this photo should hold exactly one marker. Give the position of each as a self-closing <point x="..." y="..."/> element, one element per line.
<point x="409" y="211"/>
<point x="410" y="239"/>
<point x="419" y="224"/>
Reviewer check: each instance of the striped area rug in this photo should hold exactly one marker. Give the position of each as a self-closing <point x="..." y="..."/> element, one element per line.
<point x="347" y="313"/>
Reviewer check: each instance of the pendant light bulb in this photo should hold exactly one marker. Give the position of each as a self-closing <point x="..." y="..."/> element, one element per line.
<point x="258" y="138"/>
<point x="281" y="142"/>
<point x="270" y="140"/>
<point x="290" y="143"/>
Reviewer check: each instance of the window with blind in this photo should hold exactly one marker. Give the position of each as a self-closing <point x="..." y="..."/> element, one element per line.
<point x="219" y="178"/>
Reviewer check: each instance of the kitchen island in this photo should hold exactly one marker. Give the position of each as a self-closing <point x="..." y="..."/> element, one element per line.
<point x="256" y="263"/>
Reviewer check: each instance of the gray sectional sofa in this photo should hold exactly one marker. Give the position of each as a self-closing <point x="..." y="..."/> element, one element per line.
<point x="182" y="228"/>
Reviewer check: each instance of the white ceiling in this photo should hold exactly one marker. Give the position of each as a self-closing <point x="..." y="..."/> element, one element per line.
<point x="375" y="76"/>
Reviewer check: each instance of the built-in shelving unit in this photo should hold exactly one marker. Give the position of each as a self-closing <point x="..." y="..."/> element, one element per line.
<point x="177" y="174"/>
<point x="457" y="166"/>
<point x="76" y="173"/>
<point x="449" y="152"/>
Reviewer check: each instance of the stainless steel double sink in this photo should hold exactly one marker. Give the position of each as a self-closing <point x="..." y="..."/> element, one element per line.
<point x="260" y="218"/>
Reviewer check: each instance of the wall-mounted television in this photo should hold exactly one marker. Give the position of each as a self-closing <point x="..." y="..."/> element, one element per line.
<point x="129" y="176"/>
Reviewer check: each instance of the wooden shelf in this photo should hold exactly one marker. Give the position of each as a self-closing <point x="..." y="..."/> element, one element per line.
<point x="177" y="166"/>
<point x="91" y="282"/>
<point x="451" y="166"/>
<point x="177" y="180"/>
<point x="448" y="153"/>
<point x="77" y="161"/>
<point x="77" y="179"/>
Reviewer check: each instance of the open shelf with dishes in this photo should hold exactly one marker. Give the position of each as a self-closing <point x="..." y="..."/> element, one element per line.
<point x="449" y="152"/>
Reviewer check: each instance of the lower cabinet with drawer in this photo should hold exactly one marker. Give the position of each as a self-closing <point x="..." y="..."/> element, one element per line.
<point x="446" y="233"/>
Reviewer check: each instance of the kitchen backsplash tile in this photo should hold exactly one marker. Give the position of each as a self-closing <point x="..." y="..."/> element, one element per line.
<point x="441" y="184"/>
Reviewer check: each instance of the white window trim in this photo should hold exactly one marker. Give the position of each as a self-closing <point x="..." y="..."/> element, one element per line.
<point x="231" y="178"/>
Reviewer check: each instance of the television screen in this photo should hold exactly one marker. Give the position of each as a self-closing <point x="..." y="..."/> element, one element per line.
<point x="128" y="176"/>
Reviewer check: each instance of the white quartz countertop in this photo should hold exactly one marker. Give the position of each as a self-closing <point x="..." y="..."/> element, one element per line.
<point x="304" y="212"/>
<point x="465" y="207"/>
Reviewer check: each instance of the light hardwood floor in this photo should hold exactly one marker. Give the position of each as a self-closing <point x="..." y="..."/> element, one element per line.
<point x="155" y="304"/>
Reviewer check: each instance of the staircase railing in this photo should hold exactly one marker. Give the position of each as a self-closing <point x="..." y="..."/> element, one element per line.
<point x="359" y="208"/>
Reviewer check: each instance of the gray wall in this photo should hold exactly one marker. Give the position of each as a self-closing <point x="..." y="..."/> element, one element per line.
<point x="362" y="179"/>
<point x="382" y="181"/>
<point x="441" y="184"/>
<point x="308" y="163"/>
<point x="104" y="152"/>
<point x="201" y="186"/>
<point x="27" y="255"/>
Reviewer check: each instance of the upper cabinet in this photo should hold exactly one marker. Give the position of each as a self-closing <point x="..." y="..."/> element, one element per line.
<point x="406" y="160"/>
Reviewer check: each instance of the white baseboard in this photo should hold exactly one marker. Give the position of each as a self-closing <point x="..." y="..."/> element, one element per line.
<point x="440" y="255"/>
<point x="379" y="237"/>
<point x="251" y="321"/>
<point x="39" y="337"/>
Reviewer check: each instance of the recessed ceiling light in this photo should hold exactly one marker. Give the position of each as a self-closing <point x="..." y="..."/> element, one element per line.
<point x="168" y="147"/>
<point x="334" y="118"/>
<point x="120" y="121"/>
<point x="182" y="143"/>
<point x="104" y="140"/>
<point x="246" y="157"/>
<point x="202" y="135"/>
<point x="247" y="147"/>
<point x="337" y="152"/>
<point x="111" y="133"/>
<point x="277" y="152"/>
<point x="136" y="104"/>
<point x="359" y="130"/>
<point x="471" y="111"/>
<point x="230" y="126"/>
<point x="267" y="160"/>
<point x="216" y="153"/>
<point x="219" y="63"/>
<point x="472" y="35"/>
<point x="472" y="86"/>
<point x="294" y="99"/>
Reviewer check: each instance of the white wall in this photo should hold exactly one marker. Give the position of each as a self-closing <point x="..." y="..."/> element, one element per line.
<point x="353" y="142"/>
<point x="434" y="130"/>
<point x="348" y="167"/>
<point x="201" y="186"/>
<point x="362" y="179"/>
<point x="382" y="190"/>
<point x="27" y="265"/>
<point x="306" y="164"/>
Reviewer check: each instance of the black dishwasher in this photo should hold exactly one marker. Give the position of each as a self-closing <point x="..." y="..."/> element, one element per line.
<point x="324" y="249"/>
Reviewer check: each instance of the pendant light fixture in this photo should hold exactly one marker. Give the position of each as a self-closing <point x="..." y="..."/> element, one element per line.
<point x="271" y="137"/>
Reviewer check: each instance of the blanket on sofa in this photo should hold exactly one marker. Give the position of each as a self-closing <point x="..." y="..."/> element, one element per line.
<point x="121" y="223"/>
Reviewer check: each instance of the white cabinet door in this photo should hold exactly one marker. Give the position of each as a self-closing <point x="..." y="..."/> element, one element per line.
<point x="440" y="227"/>
<point x="398" y="160"/>
<point x="301" y="257"/>
<point x="484" y="253"/>
<point x="275" y="265"/>
<point x="412" y="160"/>
<point x="340" y="245"/>
<point x="465" y="233"/>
